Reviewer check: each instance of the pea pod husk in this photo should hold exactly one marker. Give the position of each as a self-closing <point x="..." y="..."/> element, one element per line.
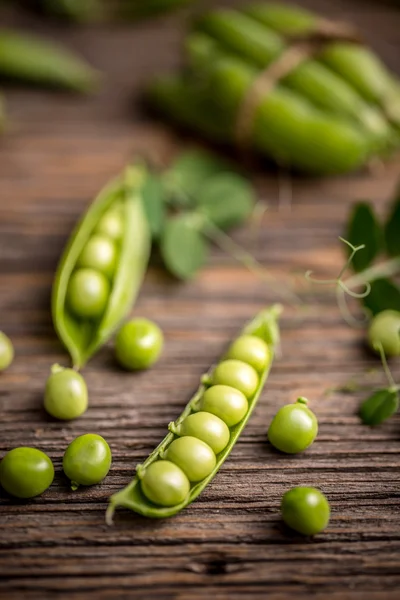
<point x="258" y="44"/>
<point x="31" y="59"/>
<point x="265" y="326"/>
<point x="83" y="338"/>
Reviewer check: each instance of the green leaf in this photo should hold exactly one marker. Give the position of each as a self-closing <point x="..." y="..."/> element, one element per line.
<point x="226" y="199"/>
<point x="380" y="406"/>
<point x="384" y="295"/>
<point x="154" y="205"/>
<point x="364" y="228"/>
<point x="392" y="230"/>
<point x="183" y="247"/>
<point x="190" y="171"/>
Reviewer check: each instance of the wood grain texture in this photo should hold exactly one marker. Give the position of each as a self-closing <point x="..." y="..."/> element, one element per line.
<point x="230" y="543"/>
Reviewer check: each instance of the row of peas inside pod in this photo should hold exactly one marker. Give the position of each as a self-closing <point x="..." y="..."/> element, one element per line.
<point x="202" y="437"/>
<point x="281" y="80"/>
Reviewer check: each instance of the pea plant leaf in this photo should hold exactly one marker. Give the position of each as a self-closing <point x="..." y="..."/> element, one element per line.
<point x="392" y="230"/>
<point x="154" y="205"/>
<point x="226" y="199"/>
<point x="183" y="247"/>
<point x="379" y="407"/>
<point x="364" y="228"/>
<point x="189" y="172"/>
<point x="384" y="295"/>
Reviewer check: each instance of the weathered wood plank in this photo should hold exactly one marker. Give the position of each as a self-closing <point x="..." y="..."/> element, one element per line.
<point x="231" y="542"/>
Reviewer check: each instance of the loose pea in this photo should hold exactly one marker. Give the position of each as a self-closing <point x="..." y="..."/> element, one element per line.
<point x="111" y="224"/>
<point x="206" y="427"/>
<point x="164" y="483"/>
<point x="138" y="344"/>
<point x="99" y="254"/>
<point x="26" y="472"/>
<point x="194" y="457"/>
<point x="236" y="374"/>
<point x="251" y="350"/>
<point x="227" y="403"/>
<point x="6" y="351"/>
<point x="66" y="395"/>
<point x="385" y="330"/>
<point x="294" y="428"/>
<point x="88" y="293"/>
<point x="87" y="460"/>
<point x="306" y="510"/>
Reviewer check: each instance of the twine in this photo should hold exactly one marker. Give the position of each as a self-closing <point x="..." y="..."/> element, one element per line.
<point x="299" y="50"/>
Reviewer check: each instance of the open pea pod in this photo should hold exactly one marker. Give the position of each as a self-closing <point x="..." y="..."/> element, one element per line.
<point x="263" y="326"/>
<point x="84" y="336"/>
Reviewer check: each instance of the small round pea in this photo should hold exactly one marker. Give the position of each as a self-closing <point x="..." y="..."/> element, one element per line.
<point x="87" y="460"/>
<point x="306" y="510"/>
<point x="208" y="428"/>
<point x="88" y="292"/>
<point x="138" y="344"/>
<point x="100" y="254"/>
<point x="194" y="457"/>
<point x="251" y="350"/>
<point x="165" y="484"/>
<point x="385" y="329"/>
<point x="236" y="374"/>
<point x="293" y="428"/>
<point x="111" y="223"/>
<point x="26" y="472"/>
<point x="66" y="395"/>
<point x="6" y="351"/>
<point x="227" y="403"/>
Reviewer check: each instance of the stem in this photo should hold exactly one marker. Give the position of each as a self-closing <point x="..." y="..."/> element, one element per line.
<point x="385" y="365"/>
<point x="227" y="244"/>
<point x="385" y="269"/>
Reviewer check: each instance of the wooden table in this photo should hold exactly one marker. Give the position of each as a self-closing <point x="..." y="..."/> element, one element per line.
<point x="230" y="543"/>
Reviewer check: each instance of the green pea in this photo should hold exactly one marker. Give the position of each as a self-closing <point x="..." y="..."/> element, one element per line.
<point x="111" y="224"/>
<point x="251" y="350"/>
<point x="66" y="395"/>
<point x="236" y="374"/>
<point x="306" y="510"/>
<point x="293" y="428"/>
<point x="165" y="483"/>
<point x="227" y="403"/>
<point x="87" y="294"/>
<point x="26" y="472"/>
<point x="385" y="329"/>
<point x="87" y="460"/>
<point x="138" y="344"/>
<point x="99" y="254"/>
<point x="206" y="427"/>
<point x="6" y="351"/>
<point x="194" y="457"/>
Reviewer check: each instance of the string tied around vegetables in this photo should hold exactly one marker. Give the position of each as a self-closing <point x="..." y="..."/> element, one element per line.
<point x="300" y="49"/>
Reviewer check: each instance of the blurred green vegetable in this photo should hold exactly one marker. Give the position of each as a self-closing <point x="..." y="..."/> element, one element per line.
<point x="314" y="110"/>
<point x="30" y="59"/>
<point x="83" y="11"/>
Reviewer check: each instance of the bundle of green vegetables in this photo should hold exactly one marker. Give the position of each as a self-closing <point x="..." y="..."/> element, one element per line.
<point x="303" y="91"/>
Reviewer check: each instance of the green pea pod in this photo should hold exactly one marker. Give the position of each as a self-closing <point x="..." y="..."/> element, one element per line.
<point x="264" y="326"/>
<point x="83" y="338"/>
<point x="31" y="59"/>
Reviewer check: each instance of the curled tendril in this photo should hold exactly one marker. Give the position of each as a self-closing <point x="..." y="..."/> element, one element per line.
<point x="353" y="294"/>
<point x="342" y="288"/>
